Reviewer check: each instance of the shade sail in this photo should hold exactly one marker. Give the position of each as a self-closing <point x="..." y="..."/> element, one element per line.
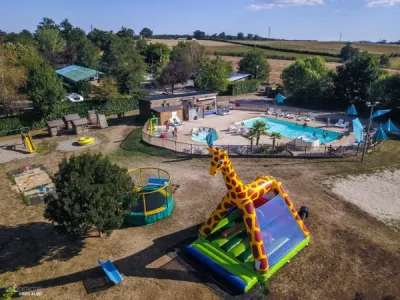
<point x="280" y="98"/>
<point x="380" y="113"/>
<point x="379" y="135"/>
<point x="351" y="111"/>
<point x="358" y="130"/>
<point x="389" y="126"/>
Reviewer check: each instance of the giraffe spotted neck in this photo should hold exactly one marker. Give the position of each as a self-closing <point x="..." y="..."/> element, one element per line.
<point x="232" y="181"/>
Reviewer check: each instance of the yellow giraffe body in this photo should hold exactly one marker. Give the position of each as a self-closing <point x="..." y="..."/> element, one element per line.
<point x="245" y="197"/>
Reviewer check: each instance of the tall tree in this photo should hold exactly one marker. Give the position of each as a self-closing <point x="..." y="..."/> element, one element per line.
<point x="157" y="57"/>
<point x="249" y="36"/>
<point x="199" y="34"/>
<point x="12" y="78"/>
<point x="192" y="54"/>
<point x="89" y="193"/>
<point x="100" y="38"/>
<point x="348" y="51"/>
<point x="108" y="89"/>
<point x="222" y="35"/>
<point x="174" y="72"/>
<point x="27" y="55"/>
<point x="125" y="32"/>
<point x="146" y="33"/>
<point x="386" y="91"/>
<point x="259" y="128"/>
<point x="214" y="75"/>
<point x="254" y="63"/>
<point x="354" y="79"/>
<point x="45" y="89"/>
<point x="88" y="54"/>
<point x="50" y="40"/>
<point x="240" y="36"/>
<point x="47" y="23"/>
<point x="65" y="29"/>
<point x="122" y="60"/>
<point x="384" y="61"/>
<point x="308" y="82"/>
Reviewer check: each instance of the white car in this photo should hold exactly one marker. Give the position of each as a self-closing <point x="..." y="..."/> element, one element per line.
<point x="74" y="97"/>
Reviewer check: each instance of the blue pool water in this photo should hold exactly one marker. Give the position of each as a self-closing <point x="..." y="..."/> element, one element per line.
<point x="199" y="134"/>
<point x="291" y="130"/>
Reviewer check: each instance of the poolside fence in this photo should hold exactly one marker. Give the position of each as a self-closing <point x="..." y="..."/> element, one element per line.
<point x="288" y="150"/>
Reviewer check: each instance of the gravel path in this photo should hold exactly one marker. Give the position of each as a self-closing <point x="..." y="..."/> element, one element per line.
<point x="377" y="194"/>
<point x="9" y="152"/>
<point x="72" y="145"/>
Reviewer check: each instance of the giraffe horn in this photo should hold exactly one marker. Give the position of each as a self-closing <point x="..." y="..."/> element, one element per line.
<point x="209" y="148"/>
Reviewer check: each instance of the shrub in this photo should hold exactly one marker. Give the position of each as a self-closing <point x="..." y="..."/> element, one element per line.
<point x="243" y="87"/>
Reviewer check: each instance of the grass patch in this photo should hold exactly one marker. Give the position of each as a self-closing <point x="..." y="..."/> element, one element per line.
<point x="46" y="146"/>
<point x="133" y="146"/>
<point x="395" y="63"/>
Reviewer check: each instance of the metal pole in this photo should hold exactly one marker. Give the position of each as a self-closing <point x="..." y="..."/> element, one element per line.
<point x="367" y="138"/>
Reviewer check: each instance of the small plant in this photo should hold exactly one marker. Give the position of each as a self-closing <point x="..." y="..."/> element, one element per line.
<point x="9" y="293"/>
<point x="46" y="147"/>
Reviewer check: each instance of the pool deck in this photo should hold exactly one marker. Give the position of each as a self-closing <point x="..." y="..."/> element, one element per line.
<point x="221" y="124"/>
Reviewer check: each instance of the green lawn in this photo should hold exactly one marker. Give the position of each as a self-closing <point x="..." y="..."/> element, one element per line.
<point x="395" y="63"/>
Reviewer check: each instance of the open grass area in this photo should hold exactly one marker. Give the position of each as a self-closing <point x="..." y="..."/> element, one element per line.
<point x="331" y="47"/>
<point x="395" y="63"/>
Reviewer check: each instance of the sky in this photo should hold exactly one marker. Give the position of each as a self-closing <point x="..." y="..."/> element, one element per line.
<point x="289" y="19"/>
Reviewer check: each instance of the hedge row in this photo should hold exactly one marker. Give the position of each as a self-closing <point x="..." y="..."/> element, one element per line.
<point x="272" y="56"/>
<point x="35" y="121"/>
<point x="243" y="87"/>
<point x="280" y="49"/>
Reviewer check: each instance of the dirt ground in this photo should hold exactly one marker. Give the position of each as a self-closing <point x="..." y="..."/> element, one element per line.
<point x="351" y="255"/>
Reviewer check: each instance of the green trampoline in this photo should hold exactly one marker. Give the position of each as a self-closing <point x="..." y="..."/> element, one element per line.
<point x="155" y="201"/>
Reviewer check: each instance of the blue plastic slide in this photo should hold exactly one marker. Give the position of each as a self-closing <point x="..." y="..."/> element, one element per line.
<point x="111" y="272"/>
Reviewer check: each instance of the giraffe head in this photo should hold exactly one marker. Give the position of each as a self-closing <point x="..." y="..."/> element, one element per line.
<point x="219" y="159"/>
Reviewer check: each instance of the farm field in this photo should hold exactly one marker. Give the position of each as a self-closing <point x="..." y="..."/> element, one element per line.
<point x="331" y="47"/>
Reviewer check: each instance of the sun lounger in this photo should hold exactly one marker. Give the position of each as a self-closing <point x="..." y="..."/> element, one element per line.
<point x="243" y="131"/>
<point x="344" y="125"/>
<point x="271" y="111"/>
<point x="339" y="123"/>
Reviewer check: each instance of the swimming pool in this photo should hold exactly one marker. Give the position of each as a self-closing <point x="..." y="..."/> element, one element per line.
<point x="293" y="130"/>
<point x="200" y="134"/>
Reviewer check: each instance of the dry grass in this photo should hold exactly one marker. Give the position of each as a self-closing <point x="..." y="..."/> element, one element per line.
<point x="172" y="42"/>
<point x="351" y="254"/>
<point x="331" y="47"/>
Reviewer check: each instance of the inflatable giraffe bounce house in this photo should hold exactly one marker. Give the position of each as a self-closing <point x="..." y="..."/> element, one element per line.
<point x="254" y="230"/>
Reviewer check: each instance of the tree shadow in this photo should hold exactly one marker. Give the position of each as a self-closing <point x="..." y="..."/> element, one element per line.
<point x="26" y="245"/>
<point x="129" y="120"/>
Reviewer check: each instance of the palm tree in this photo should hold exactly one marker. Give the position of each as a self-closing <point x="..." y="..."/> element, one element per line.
<point x="250" y="136"/>
<point x="259" y="129"/>
<point x="274" y="136"/>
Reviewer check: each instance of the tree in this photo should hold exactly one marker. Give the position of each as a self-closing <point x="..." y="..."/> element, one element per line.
<point x="259" y="128"/>
<point x="126" y="32"/>
<point x="65" y="29"/>
<point x="24" y="38"/>
<point x="254" y="63"/>
<point x="108" y="89"/>
<point x="192" y="54"/>
<point x="50" y="40"/>
<point x="384" y="61"/>
<point x="88" y="54"/>
<point x="354" y="79"/>
<point x="27" y="55"/>
<point x="250" y="136"/>
<point x="199" y="34"/>
<point x="100" y="38"/>
<point x="45" y="89"/>
<point x="250" y="36"/>
<point x="274" y="136"/>
<point x="386" y="91"/>
<point x="214" y="75"/>
<point x="174" y="72"/>
<point x="157" y="57"/>
<point x="222" y="35"/>
<point x="12" y="78"/>
<point x="240" y="36"/>
<point x="308" y="82"/>
<point x="47" y="23"/>
<point x="122" y="60"/>
<point x="91" y="192"/>
<point x="347" y="52"/>
<point x="84" y="88"/>
<point x="142" y="45"/>
<point x="146" y="33"/>
<point x="214" y="36"/>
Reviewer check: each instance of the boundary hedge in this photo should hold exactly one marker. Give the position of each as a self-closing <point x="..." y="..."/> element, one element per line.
<point x="36" y="121"/>
<point x="243" y="87"/>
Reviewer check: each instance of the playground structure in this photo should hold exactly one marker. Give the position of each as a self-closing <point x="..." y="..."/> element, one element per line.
<point x="153" y="125"/>
<point x="155" y="201"/>
<point x="27" y="140"/>
<point x="111" y="271"/>
<point x="85" y="140"/>
<point x="253" y="232"/>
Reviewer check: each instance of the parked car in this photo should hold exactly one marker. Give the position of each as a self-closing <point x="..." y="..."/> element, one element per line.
<point x="74" y="97"/>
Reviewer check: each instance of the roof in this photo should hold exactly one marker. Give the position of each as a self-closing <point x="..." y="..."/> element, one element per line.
<point x="80" y="121"/>
<point x="166" y="97"/>
<point x="237" y="76"/>
<point x="167" y="108"/>
<point x="76" y="73"/>
<point x="55" y="123"/>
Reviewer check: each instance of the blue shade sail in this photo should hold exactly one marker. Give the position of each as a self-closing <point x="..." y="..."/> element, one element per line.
<point x="379" y="135"/>
<point x="351" y="111"/>
<point x="358" y="130"/>
<point x="380" y="113"/>
<point x="389" y="126"/>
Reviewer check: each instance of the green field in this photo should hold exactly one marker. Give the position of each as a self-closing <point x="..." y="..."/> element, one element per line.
<point x="330" y="47"/>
